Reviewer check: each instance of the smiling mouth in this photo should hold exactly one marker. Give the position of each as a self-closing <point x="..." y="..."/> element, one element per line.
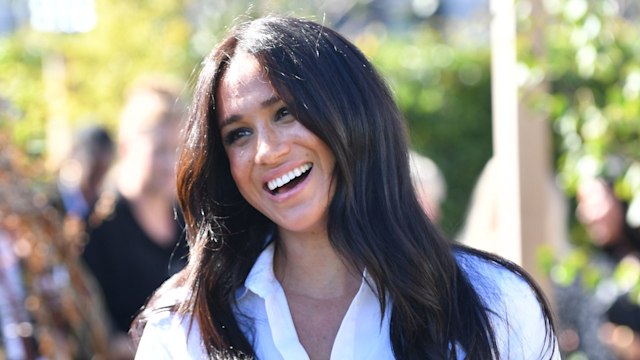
<point x="289" y="180"/>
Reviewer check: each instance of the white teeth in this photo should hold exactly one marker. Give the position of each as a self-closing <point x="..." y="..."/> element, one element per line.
<point x="284" y="179"/>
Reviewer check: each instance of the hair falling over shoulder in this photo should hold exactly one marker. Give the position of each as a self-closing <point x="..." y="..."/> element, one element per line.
<point x="375" y="221"/>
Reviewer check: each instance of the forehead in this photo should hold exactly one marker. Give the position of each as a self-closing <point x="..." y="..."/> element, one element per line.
<point x="243" y="87"/>
<point x="244" y="74"/>
<point x="242" y="66"/>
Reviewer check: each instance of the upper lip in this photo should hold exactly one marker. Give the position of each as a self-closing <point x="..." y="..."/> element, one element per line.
<point x="277" y="173"/>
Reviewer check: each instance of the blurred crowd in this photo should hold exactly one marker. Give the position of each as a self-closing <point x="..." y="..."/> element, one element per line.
<point x="81" y="251"/>
<point x="595" y="319"/>
<point x="603" y="321"/>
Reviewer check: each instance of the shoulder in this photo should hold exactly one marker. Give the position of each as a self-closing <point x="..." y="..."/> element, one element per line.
<point x="503" y="290"/>
<point x="170" y="335"/>
<point x="161" y="305"/>
<point x="492" y="280"/>
<point x="523" y="329"/>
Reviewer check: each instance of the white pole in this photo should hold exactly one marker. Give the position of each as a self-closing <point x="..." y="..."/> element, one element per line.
<point x="521" y="148"/>
<point x="58" y="130"/>
<point x="506" y="130"/>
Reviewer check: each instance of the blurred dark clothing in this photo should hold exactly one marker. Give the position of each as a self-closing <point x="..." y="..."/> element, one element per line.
<point x="583" y="310"/>
<point x="128" y="264"/>
<point x="625" y="312"/>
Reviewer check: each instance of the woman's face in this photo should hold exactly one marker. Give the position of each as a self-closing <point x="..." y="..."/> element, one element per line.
<point x="280" y="167"/>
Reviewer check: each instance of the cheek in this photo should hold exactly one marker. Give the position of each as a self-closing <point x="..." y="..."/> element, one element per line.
<point x="235" y="161"/>
<point x="327" y="157"/>
<point x="240" y="167"/>
<point x="236" y="174"/>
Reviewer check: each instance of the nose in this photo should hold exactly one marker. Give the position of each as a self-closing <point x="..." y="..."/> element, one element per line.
<point x="270" y="147"/>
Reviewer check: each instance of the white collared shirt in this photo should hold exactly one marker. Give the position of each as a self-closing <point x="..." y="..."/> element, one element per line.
<point x="268" y="317"/>
<point x="264" y="317"/>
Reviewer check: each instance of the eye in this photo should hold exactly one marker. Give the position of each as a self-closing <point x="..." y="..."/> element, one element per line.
<point x="282" y="113"/>
<point x="236" y="134"/>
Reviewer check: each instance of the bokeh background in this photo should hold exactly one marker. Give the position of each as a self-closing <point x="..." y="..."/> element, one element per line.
<point x="67" y="63"/>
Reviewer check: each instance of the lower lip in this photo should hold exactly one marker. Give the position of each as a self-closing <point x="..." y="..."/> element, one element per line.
<point x="281" y="197"/>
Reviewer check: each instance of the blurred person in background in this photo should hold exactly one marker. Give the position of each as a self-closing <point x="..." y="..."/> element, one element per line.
<point x="82" y="172"/>
<point x="49" y="304"/>
<point x="430" y="185"/>
<point x="480" y="228"/>
<point x="602" y="323"/>
<point x="80" y="178"/>
<point x="137" y="246"/>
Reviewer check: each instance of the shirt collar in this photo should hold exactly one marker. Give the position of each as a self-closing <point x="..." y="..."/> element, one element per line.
<point x="261" y="279"/>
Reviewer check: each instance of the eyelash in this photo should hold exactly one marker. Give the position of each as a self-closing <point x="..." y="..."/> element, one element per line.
<point x="236" y="134"/>
<point x="282" y="112"/>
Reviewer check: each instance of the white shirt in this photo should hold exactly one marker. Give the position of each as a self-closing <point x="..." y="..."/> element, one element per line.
<point x="264" y="317"/>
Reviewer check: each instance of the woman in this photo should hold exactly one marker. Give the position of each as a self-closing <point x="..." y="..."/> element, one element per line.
<point x="307" y="240"/>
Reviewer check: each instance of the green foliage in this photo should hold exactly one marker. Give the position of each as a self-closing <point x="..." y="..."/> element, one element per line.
<point x="130" y="39"/>
<point x="566" y="272"/>
<point x="443" y="91"/>
<point x="591" y="63"/>
<point x="445" y="94"/>
<point x="21" y="83"/>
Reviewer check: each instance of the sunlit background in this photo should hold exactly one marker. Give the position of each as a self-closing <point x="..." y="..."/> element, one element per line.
<point x="67" y="63"/>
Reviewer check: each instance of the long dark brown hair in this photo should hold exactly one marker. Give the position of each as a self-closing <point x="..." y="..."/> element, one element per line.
<point x="375" y="221"/>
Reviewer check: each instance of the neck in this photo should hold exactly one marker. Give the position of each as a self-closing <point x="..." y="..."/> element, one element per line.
<point x="144" y="199"/>
<point x="308" y="265"/>
<point x="138" y="194"/>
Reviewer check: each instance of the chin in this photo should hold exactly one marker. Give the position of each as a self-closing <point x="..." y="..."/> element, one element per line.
<point x="302" y="227"/>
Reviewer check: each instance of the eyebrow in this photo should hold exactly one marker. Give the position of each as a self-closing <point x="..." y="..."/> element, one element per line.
<point x="235" y="117"/>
